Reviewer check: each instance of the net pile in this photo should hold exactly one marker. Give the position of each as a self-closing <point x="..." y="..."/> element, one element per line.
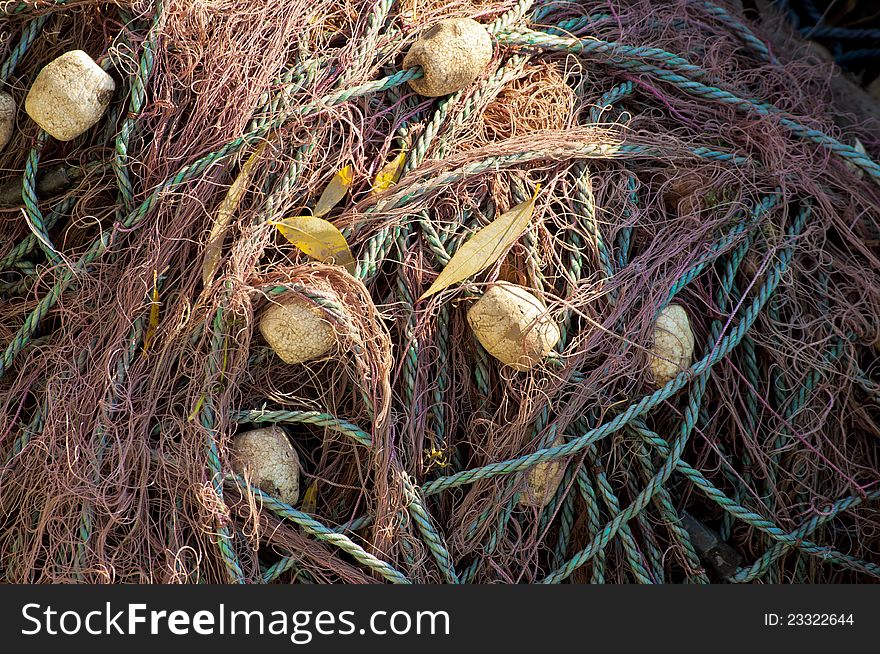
<point x="682" y="159"/>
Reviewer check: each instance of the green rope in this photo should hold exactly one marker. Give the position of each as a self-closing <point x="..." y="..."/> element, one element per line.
<point x="316" y="418"/>
<point x="645" y="404"/>
<point x="28" y="243"/>
<point x="368" y="40"/>
<point x="633" y="556"/>
<point x="586" y="206"/>
<point x="755" y="520"/>
<point x="429" y="532"/>
<point x="28" y="36"/>
<point x="187" y="173"/>
<point x="567" y="516"/>
<point x="510" y="17"/>
<point x="408" y="330"/>
<point x="594" y="517"/>
<point x="624" y="235"/>
<point x="320" y="531"/>
<point x="571" y="26"/>
<point x="609" y="99"/>
<point x="762" y="565"/>
<point x="690" y="418"/>
<point x="441" y="373"/>
<point x="631" y="58"/>
<point x="724" y="17"/>
<point x="672" y="520"/>
<point x="274" y="571"/>
<point x="135" y="106"/>
<point x="32" y="213"/>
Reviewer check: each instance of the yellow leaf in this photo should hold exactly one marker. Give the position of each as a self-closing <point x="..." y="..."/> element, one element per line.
<point x="213" y="249"/>
<point x="154" y="314"/>
<point x="485" y="247"/>
<point x="195" y="411"/>
<point x="319" y="239"/>
<point x="310" y="499"/>
<point x="335" y="191"/>
<point x="389" y="174"/>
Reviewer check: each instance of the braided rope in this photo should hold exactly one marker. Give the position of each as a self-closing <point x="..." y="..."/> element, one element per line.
<point x="411" y="354"/>
<point x="432" y="538"/>
<point x="318" y="530"/>
<point x="645" y="404"/>
<point x="690" y="418"/>
<point x="672" y="520"/>
<point x="606" y="491"/>
<point x="629" y="58"/>
<point x="586" y="205"/>
<point x="29" y="242"/>
<point x="650" y="547"/>
<point x="567" y="517"/>
<point x="609" y="99"/>
<point x="28" y="36"/>
<point x="27" y="7"/>
<point x="753" y="519"/>
<point x="510" y="17"/>
<point x="208" y="419"/>
<point x="367" y="41"/>
<point x="574" y="26"/>
<point x="737" y="27"/>
<point x="286" y="563"/>
<point x="624" y="236"/>
<point x="587" y="492"/>
<point x="441" y="373"/>
<point x="316" y="418"/>
<point x="188" y="172"/>
<point x="135" y="105"/>
<point x="32" y="213"/>
<point x="295" y="78"/>
<point x="760" y="567"/>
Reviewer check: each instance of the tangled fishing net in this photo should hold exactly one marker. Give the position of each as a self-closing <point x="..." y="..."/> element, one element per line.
<point x="683" y="159"/>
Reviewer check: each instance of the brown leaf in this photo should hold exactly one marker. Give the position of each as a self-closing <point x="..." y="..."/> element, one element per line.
<point x="214" y="246"/>
<point x="485" y="247"/>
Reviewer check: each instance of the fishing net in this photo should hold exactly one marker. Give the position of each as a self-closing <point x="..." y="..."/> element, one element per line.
<point x="675" y="153"/>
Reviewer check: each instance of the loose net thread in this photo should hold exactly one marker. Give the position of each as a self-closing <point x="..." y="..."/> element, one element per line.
<point x="418" y="443"/>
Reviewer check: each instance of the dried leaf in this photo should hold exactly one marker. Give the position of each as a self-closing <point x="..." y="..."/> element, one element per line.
<point x="154" y="314"/>
<point x="198" y="407"/>
<point x="335" y="191"/>
<point x="310" y="499"/>
<point x="214" y="247"/>
<point x="319" y="239"/>
<point x="485" y="247"/>
<point x="389" y="174"/>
